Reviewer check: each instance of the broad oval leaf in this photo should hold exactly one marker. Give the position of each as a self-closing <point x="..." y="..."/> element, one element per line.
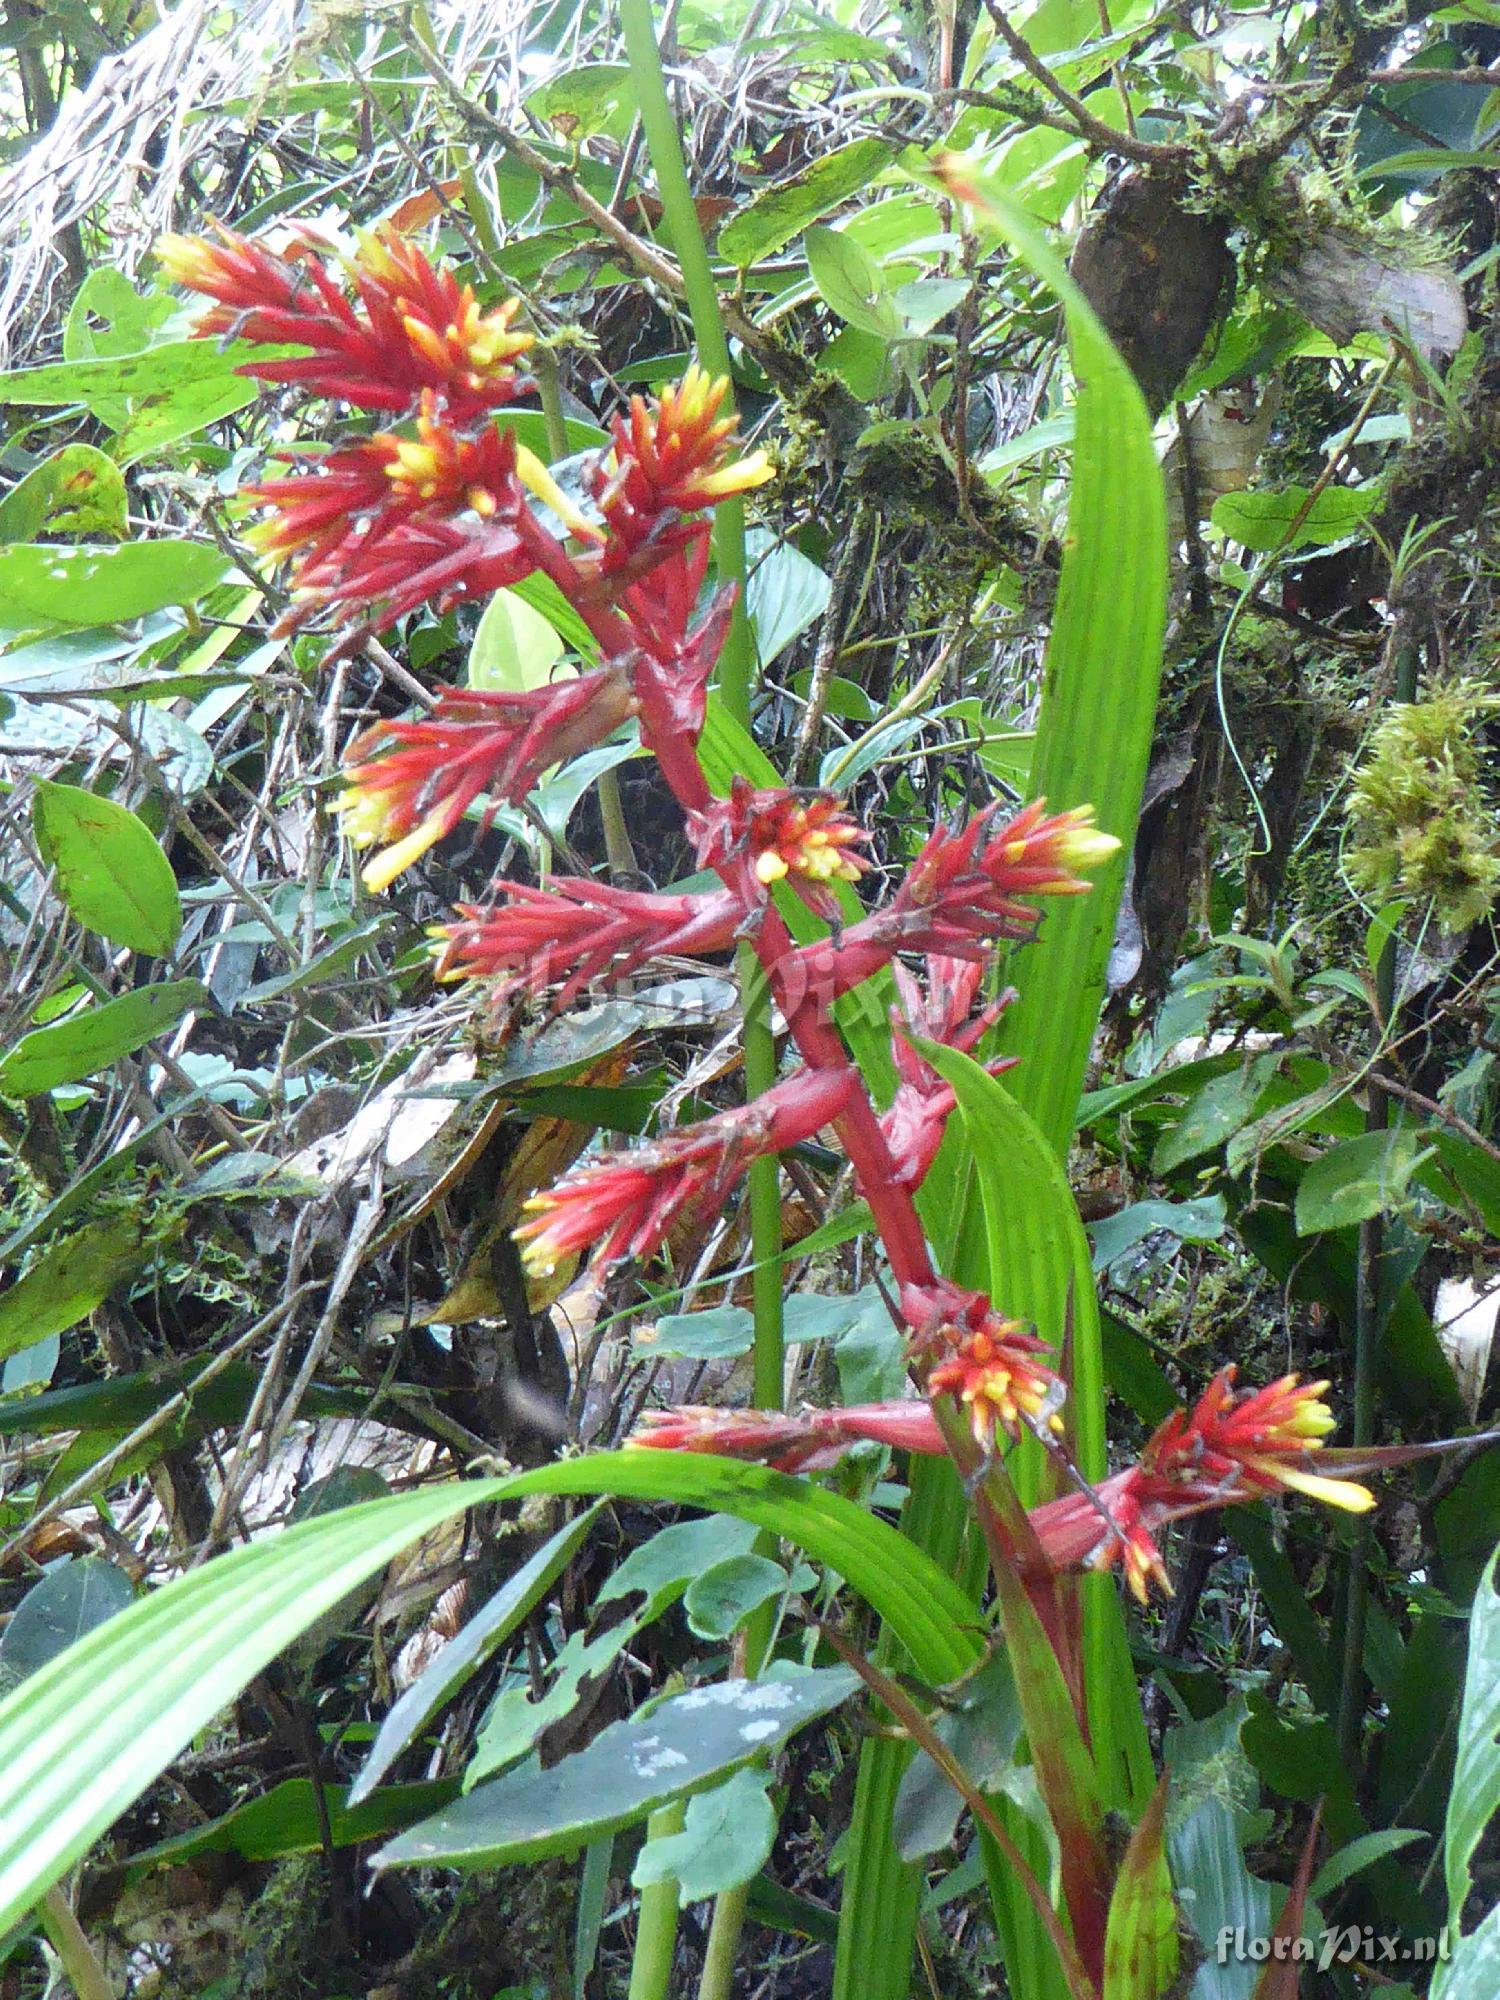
<point x="1266" y="521"/>
<point x="515" y="648"/>
<point x="850" y="281"/>
<point x="88" y="584"/>
<point x="78" y="490"/>
<point x="111" y="871"/>
<point x="726" y="1839"/>
<point x="71" y="1599"/>
<point x="718" y="1601"/>
<point x="679" y="1746"/>
<point x="1357" y="1179"/>
<point x="73" y="1276"/>
<point x="784" y="211"/>
<point x="91" y="1040"/>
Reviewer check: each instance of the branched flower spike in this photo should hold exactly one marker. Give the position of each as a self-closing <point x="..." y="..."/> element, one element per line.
<point x="623" y="1204"/>
<point x="408" y="328"/>
<point x="410" y="783"/>
<point x="438" y="506"/>
<point x="579" y="932"/>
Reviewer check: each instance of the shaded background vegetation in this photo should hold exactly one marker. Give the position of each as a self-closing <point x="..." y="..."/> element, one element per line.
<point x="257" y="1244"/>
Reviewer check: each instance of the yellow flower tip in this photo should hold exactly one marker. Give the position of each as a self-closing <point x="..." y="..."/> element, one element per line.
<point x="740" y="477"/>
<point x="379" y="873"/>
<point x="427" y="339"/>
<point x="1086" y="847"/>
<point x="482" y="501"/>
<point x="364" y="813"/>
<point x="770" y="866"/>
<point x="1345" y="1493"/>
<point x="537" y="480"/>
<point x="182" y="257"/>
<point x="538" y="1258"/>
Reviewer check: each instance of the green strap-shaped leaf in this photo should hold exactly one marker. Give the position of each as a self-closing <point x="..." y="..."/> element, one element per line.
<point x="1140" y="1944"/>
<point x="84" y="1735"/>
<point x="1094" y="730"/>
<point x="1093" y="744"/>
<point x="84" y="1043"/>
<point x="1475" y="1798"/>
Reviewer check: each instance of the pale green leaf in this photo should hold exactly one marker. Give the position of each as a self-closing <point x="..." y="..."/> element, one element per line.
<point x="87" y="584"/>
<point x="676" y="1748"/>
<point x="111" y="871"/>
<point x="1360" y="1178"/>
<point x="726" y="1839"/>
<point x="784" y="210"/>
<point x="71" y="1277"/>
<point x="91" y="1040"/>
<point x="1475" y="1797"/>
<point x="515" y="648"/>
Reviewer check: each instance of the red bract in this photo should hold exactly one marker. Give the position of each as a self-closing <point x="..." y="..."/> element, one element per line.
<point x="963" y="891"/>
<point x="804" y="838"/>
<point x="1261" y="1440"/>
<point x="966" y="889"/>
<point x="577" y="931"/>
<point x="676" y="455"/>
<point x="943" y="1012"/>
<point x="1113" y="1523"/>
<point x="361" y="491"/>
<point x="988" y="1363"/>
<point x="623" y="1204"/>
<point x="409" y="783"/>
<point x="1230" y="1449"/>
<point x="408" y="328"/>
<point x="808" y="1442"/>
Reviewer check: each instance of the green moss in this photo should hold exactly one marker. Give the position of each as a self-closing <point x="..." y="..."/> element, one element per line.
<point x="1421" y="821"/>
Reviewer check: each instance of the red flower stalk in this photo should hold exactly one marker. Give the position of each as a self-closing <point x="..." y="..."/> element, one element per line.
<point x="578" y="930"/>
<point x="410" y="783"/>
<point x="987" y="1362"/>
<point x="1255" y="1442"/>
<point x="1230" y="1449"/>
<point x="804" y="838"/>
<point x="409" y="327"/>
<point x="625" y="1203"/>
<point x="919" y="1112"/>
<point x="676" y="455"/>
<point x="808" y="1442"/>
<point x="962" y="892"/>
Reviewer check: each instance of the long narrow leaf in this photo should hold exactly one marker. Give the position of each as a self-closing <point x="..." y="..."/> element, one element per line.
<point x="84" y="1735"/>
<point x="1141" y="1951"/>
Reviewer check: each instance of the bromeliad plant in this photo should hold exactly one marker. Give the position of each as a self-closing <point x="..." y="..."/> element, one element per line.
<point x="442" y="507"/>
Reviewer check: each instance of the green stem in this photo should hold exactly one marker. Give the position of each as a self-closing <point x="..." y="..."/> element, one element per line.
<point x="736" y="663"/>
<point x="1369" y="1318"/>
<point x="735" y="675"/>
<point x="656" y="1934"/>
<point x="76" y="1955"/>
<point x="716" y="1981"/>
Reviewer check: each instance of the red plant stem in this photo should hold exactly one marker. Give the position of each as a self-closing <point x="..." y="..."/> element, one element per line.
<point x="818" y="1042"/>
<point x="1011" y="1546"/>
